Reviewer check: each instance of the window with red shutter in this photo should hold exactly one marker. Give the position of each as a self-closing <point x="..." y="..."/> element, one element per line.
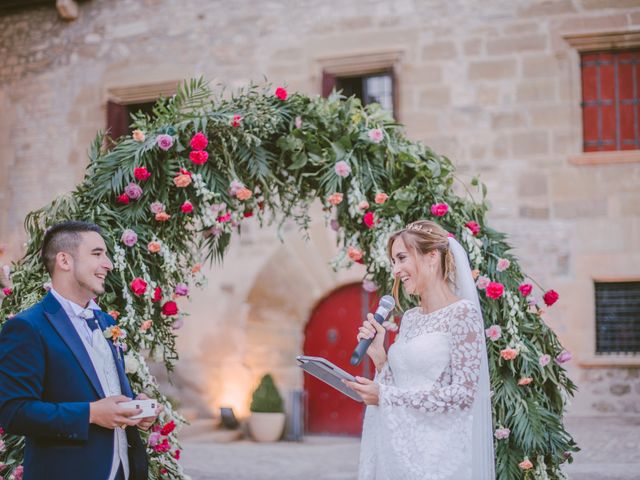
<point x="610" y="100"/>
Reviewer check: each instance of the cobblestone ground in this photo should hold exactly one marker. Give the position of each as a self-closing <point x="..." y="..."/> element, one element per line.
<point x="610" y="451"/>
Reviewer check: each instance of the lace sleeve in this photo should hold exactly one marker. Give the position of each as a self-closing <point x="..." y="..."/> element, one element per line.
<point x="384" y="376"/>
<point x="466" y="335"/>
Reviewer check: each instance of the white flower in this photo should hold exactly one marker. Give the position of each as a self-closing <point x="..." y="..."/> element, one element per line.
<point x="131" y="363"/>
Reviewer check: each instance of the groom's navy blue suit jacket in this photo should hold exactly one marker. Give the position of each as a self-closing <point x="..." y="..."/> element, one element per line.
<point x="46" y="383"/>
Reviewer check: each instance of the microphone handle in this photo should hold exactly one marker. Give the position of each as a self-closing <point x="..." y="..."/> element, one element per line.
<point x="361" y="349"/>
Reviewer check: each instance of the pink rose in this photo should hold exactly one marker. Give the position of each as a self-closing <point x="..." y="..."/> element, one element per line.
<point x="157" y="207"/>
<point x="181" y="289"/>
<point x="369" y="219"/>
<point x="381" y="198"/>
<point x="564" y="356"/>
<point x="138" y="286"/>
<point x="198" y="157"/>
<point x="224" y="218"/>
<point x="243" y="194"/>
<point x="525" y="289"/>
<point x="199" y="141"/>
<point x="236" y="120"/>
<point x="525" y="381"/>
<point x="473" y="227"/>
<point x="141" y="174"/>
<point x="18" y="472"/>
<point x="369" y="286"/>
<point x="482" y="282"/>
<point x="503" y="264"/>
<point x="342" y="169"/>
<point x="187" y="207"/>
<point x="146" y="325"/>
<point x="154" y="439"/>
<point x="335" y="199"/>
<point x="298" y="122"/>
<point x="544" y="360"/>
<point x="375" y="135"/>
<point x="129" y="237"/>
<point x="502" y="433"/>
<point x="439" y="209"/>
<point x="363" y="205"/>
<point x="281" y="93"/>
<point x="164" y="141"/>
<point x="526" y="464"/>
<point x="550" y="297"/>
<point x="494" y="332"/>
<point x="354" y="253"/>
<point x="509" y="353"/>
<point x="133" y="191"/>
<point x="494" y="290"/>
<point x="234" y="187"/>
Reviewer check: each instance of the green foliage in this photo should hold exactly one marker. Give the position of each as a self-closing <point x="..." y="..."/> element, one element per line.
<point x="266" y="398"/>
<point x="285" y="153"/>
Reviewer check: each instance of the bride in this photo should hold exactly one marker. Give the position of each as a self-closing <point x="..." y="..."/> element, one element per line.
<point x="429" y="411"/>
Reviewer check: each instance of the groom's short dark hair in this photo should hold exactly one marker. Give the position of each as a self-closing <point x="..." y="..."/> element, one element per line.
<point x="63" y="237"/>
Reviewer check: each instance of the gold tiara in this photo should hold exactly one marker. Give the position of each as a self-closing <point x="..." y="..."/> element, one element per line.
<point x="417" y="227"/>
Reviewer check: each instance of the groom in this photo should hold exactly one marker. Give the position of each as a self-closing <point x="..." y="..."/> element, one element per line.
<point x="61" y="380"/>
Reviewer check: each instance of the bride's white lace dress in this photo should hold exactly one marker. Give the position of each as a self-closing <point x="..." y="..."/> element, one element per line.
<point x="421" y="428"/>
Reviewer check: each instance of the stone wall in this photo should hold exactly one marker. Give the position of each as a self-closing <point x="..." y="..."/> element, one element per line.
<point x="495" y="85"/>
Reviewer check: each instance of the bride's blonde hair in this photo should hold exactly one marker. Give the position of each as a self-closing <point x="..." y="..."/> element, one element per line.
<point x="424" y="236"/>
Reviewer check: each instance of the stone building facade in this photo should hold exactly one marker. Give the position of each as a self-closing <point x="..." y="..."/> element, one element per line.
<point x="494" y="85"/>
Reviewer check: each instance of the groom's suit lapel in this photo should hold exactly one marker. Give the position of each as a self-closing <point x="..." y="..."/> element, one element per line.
<point x="62" y="324"/>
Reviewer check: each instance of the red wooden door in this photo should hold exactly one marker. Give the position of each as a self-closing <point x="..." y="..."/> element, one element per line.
<point x="331" y="334"/>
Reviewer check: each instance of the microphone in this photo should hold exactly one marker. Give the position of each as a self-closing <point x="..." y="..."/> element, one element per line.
<point x="386" y="304"/>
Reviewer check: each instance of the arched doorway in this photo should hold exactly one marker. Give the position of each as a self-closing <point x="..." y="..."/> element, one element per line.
<point x="331" y="334"/>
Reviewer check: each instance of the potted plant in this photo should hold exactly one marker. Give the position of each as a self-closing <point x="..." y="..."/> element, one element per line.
<point x="266" y="422"/>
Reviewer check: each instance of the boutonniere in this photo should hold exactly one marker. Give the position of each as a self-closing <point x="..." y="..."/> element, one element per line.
<point x="117" y="336"/>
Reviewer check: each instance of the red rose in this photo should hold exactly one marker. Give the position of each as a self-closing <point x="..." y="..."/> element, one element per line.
<point x="525" y="289"/>
<point x="237" y="119"/>
<point x="199" y="141"/>
<point x="7" y="291"/>
<point x="157" y="295"/>
<point x="141" y="173"/>
<point x="168" y="428"/>
<point x="473" y="226"/>
<point x="281" y="93"/>
<point x="170" y="308"/>
<point x="248" y="214"/>
<point x="123" y="199"/>
<point x="138" y="286"/>
<point x="369" y="219"/>
<point x="176" y="454"/>
<point x="550" y="297"/>
<point x="199" y="157"/>
<point x="439" y="209"/>
<point x="494" y="290"/>
<point x="187" y="207"/>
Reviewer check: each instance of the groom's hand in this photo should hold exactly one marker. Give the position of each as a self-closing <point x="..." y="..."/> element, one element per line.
<point x="108" y="413"/>
<point x="146" y="422"/>
<point x="368" y="389"/>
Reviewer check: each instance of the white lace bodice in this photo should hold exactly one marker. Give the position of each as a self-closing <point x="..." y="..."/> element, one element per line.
<point x="422" y="426"/>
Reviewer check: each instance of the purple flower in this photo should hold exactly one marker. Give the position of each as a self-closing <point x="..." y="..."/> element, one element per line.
<point x="335" y="225"/>
<point x="342" y="169"/>
<point x="375" y="135"/>
<point x="133" y="191"/>
<point x="502" y="433"/>
<point x="154" y="438"/>
<point x="564" y="356"/>
<point x="129" y="237"/>
<point x="177" y="323"/>
<point x="157" y="207"/>
<point x="369" y="286"/>
<point x="181" y="289"/>
<point x="544" y="360"/>
<point x="164" y="141"/>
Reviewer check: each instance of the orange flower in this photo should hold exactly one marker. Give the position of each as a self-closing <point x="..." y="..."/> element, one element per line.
<point x="146" y="325"/>
<point x="525" y="381"/>
<point x="243" y="194"/>
<point x="182" y="180"/>
<point x="196" y="268"/>
<point x="162" y="216"/>
<point x="335" y="199"/>
<point x="381" y="198"/>
<point x="526" y="464"/>
<point x="138" y="135"/>
<point x="509" y="353"/>
<point x="154" y="247"/>
<point x="354" y="253"/>
<point x="115" y="332"/>
<point x="475" y="274"/>
<point x="114" y="314"/>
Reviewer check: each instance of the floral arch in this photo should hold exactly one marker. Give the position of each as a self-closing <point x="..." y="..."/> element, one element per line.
<point x="169" y="196"/>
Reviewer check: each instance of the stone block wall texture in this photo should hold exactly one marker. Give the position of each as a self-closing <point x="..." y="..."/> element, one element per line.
<point x="494" y="85"/>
